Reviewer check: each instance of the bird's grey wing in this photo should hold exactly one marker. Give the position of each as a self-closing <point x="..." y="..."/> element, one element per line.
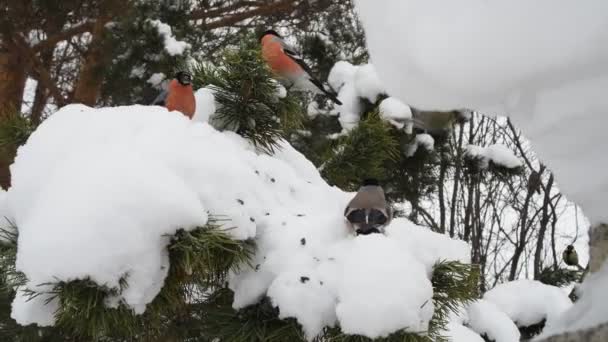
<point x="292" y="53"/>
<point x="160" y="99"/>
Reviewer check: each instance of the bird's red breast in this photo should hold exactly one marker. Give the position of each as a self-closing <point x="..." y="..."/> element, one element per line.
<point x="280" y="64"/>
<point x="181" y="98"/>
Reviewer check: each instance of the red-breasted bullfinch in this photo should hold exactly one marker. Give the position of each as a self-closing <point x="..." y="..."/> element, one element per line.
<point x="289" y="68"/>
<point x="179" y="95"/>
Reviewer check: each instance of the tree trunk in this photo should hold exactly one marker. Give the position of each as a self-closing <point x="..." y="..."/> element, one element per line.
<point x="440" y="187"/>
<point x="90" y="79"/>
<point x="12" y="76"/>
<point x="13" y="69"/>
<point x="456" y="181"/>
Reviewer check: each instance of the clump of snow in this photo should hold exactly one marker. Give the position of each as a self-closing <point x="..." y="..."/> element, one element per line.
<point x="304" y="296"/>
<point x="458" y="333"/>
<point x="590" y="309"/>
<point x="423" y="140"/>
<point x="341" y="73"/>
<point x="281" y="91"/>
<point x="205" y="105"/>
<point x="172" y="46"/>
<point x="138" y="72"/>
<point x="353" y="83"/>
<point x="499" y="154"/>
<point x="485" y="318"/>
<point x="27" y="310"/>
<point x="118" y="180"/>
<point x="395" y="112"/>
<point x="367" y="83"/>
<point x="528" y="302"/>
<point x="156" y="79"/>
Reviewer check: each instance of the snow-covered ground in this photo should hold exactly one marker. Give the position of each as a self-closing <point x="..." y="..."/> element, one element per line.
<point x="517" y="58"/>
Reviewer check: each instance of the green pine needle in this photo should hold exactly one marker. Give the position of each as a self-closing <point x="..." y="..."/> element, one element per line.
<point x="362" y="153"/>
<point x="245" y="90"/>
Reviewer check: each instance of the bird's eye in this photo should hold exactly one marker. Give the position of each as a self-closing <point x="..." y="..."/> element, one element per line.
<point x="356" y="216"/>
<point x="377" y="217"/>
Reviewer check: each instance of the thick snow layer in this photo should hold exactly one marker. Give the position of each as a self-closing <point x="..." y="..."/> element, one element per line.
<point x="499" y="154"/>
<point x="118" y="180"/>
<point x="589" y="310"/>
<point x="528" y="302"/>
<point x="324" y="266"/>
<point x="458" y="333"/>
<point x="485" y="318"/>
<point x="172" y="46"/>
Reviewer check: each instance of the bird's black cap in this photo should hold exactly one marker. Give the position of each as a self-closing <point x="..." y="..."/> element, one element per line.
<point x="570" y="247"/>
<point x="183" y="77"/>
<point x="271" y="32"/>
<point x="370" y="181"/>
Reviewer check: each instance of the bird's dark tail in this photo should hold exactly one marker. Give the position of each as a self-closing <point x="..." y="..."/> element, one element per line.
<point x="332" y="96"/>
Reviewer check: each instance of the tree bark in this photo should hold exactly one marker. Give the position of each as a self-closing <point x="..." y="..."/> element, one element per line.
<point x="90" y="79"/>
<point x="13" y="68"/>
<point x="440" y="187"/>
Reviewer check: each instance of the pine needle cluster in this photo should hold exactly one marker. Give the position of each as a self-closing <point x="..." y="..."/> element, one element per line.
<point x="364" y="152"/>
<point x="248" y="97"/>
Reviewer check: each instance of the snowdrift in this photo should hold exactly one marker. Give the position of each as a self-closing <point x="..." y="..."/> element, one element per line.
<point x="97" y="193"/>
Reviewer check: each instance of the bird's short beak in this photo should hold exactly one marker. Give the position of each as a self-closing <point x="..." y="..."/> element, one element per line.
<point x="367" y="230"/>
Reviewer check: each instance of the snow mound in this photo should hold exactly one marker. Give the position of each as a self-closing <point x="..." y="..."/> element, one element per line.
<point x="528" y="302"/>
<point x="499" y="154"/>
<point x="118" y="180"/>
<point x="485" y="318"/>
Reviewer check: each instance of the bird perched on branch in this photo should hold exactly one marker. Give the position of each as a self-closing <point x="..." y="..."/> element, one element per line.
<point x="570" y="256"/>
<point x="368" y="211"/>
<point x="289" y="68"/>
<point x="534" y="182"/>
<point x="179" y="95"/>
